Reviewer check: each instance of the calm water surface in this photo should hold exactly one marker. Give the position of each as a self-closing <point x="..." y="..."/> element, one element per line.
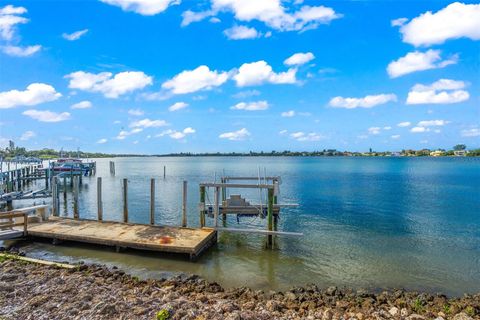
<point x="367" y="222"/>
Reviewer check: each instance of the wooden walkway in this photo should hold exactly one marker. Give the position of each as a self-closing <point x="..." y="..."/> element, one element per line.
<point x="126" y="235"/>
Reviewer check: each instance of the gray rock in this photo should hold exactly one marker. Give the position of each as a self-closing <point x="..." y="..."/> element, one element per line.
<point x="462" y="316"/>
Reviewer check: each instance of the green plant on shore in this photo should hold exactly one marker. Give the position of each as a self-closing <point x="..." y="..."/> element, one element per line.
<point x="163" y="314"/>
<point x="446" y="308"/>
<point x="135" y="279"/>
<point x="470" y="311"/>
<point x="417" y="305"/>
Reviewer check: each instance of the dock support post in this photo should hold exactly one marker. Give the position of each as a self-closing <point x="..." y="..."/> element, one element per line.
<point x="125" y="200"/>
<point x="152" y="201"/>
<point x="270" y="217"/>
<point x="64" y="187"/>
<point x="75" y="197"/>
<point x="54" y="197"/>
<point x="164" y="171"/>
<point x="202" y="206"/>
<point x="224" y="198"/>
<point x="217" y="206"/>
<point x="99" y="199"/>
<point x="184" y="204"/>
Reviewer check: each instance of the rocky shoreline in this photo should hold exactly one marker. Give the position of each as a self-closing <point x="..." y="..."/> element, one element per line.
<point x="36" y="291"/>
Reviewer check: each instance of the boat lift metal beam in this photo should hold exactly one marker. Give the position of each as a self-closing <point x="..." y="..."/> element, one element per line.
<point x="237" y="185"/>
<point x="267" y="232"/>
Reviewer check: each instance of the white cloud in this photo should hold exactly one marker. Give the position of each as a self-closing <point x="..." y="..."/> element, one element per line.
<point x="10" y="9"/>
<point x="181" y="134"/>
<point x="136" y="112"/>
<point x="198" y="79"/>
<point x="110" y="87"/>
<point x="387" y="128"/>
<point x="283" y="132"/>
<point x="177" y="106"/>
<point x="16" y="51"/>
<point x="473" y="132"/>
<point x="398" y="22"/>
<point x="288" y="114"/>
<point x="432" y="123"/>
<point x="102" y="141"/>
<point x="143" y="7"/>
<point x="251" y="106"/>
<point x="423" y="126"/>
<point x="443" y="91"/>
<point x="260" y="72"/>
<point x="27" y="135"/>
<point x="418" y="61"/>
<point x="246" y="94"/>
<point x="35" y="93"/>
<point x="238" y="135"/>
<point x="374" y="130"/>
<point x="75" y="35"/>
<point x="299" y="58"/>
<point x="275" y="15"/>
<point x="365" y="102"/>
<point x="81" y="105"/>
<point x="241" y="33"/>
<point x="191" y="16"/>
<point x="404" y="124"/>
<point x="418" y="129"/>
<point x="9" y="18"/>
<point x="124" y="133"/>
<point x="457" y="20"/>
<point x="395" y="136"/>
<point x="46" y="115"/>
<point x="147" y="123"/>
<point x="302" y="136"/>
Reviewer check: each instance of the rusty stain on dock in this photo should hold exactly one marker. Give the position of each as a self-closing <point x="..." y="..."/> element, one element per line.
<point x="191" y="241"/>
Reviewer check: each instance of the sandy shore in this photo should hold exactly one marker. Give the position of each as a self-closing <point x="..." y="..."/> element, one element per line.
<point x="35" y="291"/>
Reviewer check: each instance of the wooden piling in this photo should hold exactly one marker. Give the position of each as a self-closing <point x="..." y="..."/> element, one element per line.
<point x="152" y="201"/>
<point x="202" y="206"/>
<point x="65" y="187"/>
<point x="270" y="217"/>
<point x="75" y="197"/>
<point x="184" y="204"/>
<point x="164" y="171"/>
<point x="217" y="205"/>
<point x="125" y="200"/>
<point x="54" y="198"/>
<point x="99" y="199"/>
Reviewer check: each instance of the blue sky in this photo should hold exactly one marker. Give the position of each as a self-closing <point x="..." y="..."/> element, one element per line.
<point x="163" y="76"/>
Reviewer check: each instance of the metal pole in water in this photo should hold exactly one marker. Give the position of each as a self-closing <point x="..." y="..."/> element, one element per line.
<point x="152" y="201"/>
<point x="184" y="205"/>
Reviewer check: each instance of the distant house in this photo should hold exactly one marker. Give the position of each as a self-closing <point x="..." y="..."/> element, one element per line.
<point x="460" y="153"/>
<point x="437" y="153"/>
<point x="396" y="154"/>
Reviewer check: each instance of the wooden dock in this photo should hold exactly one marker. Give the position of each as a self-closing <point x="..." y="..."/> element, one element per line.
<point x="181" y="240"/>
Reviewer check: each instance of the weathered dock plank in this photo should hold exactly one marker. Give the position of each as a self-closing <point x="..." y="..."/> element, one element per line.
<point x="126" y="235"/>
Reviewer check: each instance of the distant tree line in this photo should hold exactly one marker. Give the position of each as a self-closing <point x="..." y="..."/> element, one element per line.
<point x="459" y="149"/>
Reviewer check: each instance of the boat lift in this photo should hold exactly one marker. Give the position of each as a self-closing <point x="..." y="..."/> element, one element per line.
<point x="239" y="206"/>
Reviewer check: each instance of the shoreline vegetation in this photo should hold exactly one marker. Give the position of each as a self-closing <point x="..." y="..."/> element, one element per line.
<point x="40" y="290"/>
<point x="45" y="154"/>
